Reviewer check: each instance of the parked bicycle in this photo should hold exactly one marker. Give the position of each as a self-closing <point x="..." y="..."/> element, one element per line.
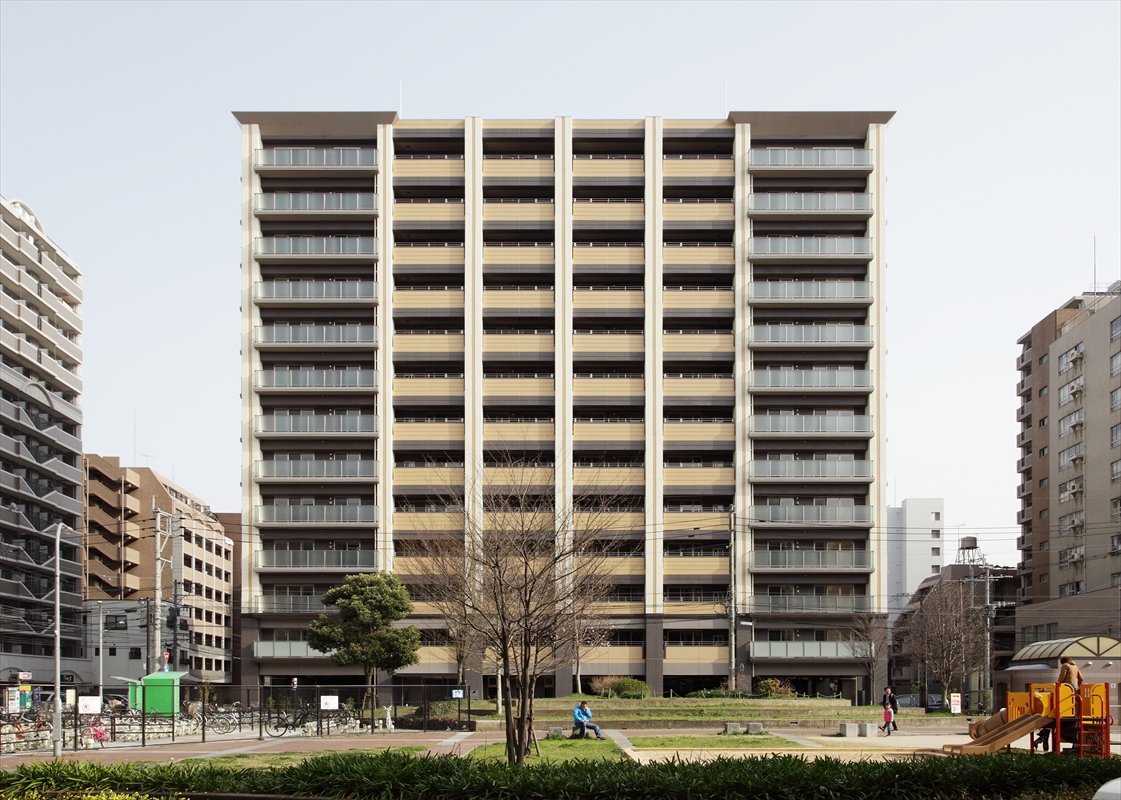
<point x="284" y="721"/>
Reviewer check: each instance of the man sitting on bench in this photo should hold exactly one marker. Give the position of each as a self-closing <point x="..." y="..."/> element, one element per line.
<point x="582" y="721"/>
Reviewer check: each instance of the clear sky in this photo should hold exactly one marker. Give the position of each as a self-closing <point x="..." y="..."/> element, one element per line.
<point x="1004" y="162"/>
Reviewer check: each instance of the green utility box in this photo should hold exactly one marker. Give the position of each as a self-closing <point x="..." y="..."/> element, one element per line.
<point x="158" y="691"/>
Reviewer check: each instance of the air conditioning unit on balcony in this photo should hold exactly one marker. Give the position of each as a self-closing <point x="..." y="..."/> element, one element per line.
<point x="1075" y="559"/>
<point x="1075" y="356"/>
<point x="1076" y="391"/>
<point x="1076" y="489"/>
<point x="1076" y="527"/>
<point x="1076" y="425"/>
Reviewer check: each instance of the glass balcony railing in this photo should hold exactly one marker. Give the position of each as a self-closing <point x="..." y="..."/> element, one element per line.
<point x="316" y="157"/>
<point x="285" y="649"/>
<point x="811" y="379"/>
<point x="317" y="423"/>
<point x="811" y="469"/>
<point x="812" y="559"/>
<point x="794" y="649"/>
<point x="366" y="514"/>
<point x="811" y="157"/>
<point x="298" y="559"/>
<point x="811" y="246"/>
<point x="854" y="514"/>
<point x="810" y="423"/>
<point x="290" y="602"/>
<point x="317" y="469"/>
<point x="811" y="290"/>
<point x="812" y="334"/>
<point x="316" y="334"/>
<point x="316" y="378"/>
<point x="316" y="290"/>
<point x="823" y="603"/>
<point x="807" y="201"/>
<point x="316" y="201"/>
<point x="316" y="246"/>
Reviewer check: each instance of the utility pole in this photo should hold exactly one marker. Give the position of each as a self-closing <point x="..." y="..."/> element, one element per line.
<point x="732" y="600"/>
<point x="162" y="537"/>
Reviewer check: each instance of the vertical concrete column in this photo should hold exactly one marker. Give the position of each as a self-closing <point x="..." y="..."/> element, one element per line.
<point x="742" y="543"/>
<point x="562" y="313"/>
<point x="653" y="412"/>
<point x="473" y="318"/>
<point x="877" y="362"/>
<point x="251" y="362"/>
<point x="384" y="406"/>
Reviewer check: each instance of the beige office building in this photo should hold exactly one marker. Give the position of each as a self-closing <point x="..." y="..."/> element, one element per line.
<point x="692" y="310"/>
<point x="1070" y="471"/>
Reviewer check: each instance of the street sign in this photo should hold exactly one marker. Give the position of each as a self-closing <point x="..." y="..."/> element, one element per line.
<point x="329" y="702"/>
<point x="955" y="702"/>
<point x="457" y="694"/>
<point x="24" y="676"/>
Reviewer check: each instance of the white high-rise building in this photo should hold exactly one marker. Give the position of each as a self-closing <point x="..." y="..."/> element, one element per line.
<point x="916" y="548"/>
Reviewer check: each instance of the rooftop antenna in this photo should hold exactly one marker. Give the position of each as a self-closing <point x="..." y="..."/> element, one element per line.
<point x="725" y="98"/>
<point x="146" y="457"/>
<point x="401" y="101"/>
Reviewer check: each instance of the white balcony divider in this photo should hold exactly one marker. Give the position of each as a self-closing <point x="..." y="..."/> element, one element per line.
<point x="810" y="290"/>
<point x="316" y="290"/>
<point x="316" y="157"/>
<point x="316" y="334"/>
<point x="316" y="246"/>
<point x="317" y="378"/>
<point x="273" y="559"/>
<point x="850" y="514"/>
<point x="811" y="246"/>
<point x="317" y="469"/>
<point x="317" y="423"/>
<point x="810" y="423"/>
<point x="811" y="469"/>
<point x="812" y="334"/>
<point x="811" y="378"/>
<point x="316" y="201"/>
<point x="354" y="514"/>
<point x="811" y="201"/>
<point x="810" y="559"/>
<point x="811" y="157"/>
<point x="823" y="603"/>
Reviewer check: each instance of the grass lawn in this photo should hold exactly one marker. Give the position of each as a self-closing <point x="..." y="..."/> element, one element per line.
<point x="556" y="751"/>
<point x="244" y="760"/>
<point x="727" y="742"/>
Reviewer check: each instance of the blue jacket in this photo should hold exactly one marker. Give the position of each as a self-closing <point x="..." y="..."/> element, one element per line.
<point x="581" y="715"/>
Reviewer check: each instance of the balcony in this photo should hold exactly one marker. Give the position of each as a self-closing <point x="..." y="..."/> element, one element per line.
<point x="317" y="335"/>
<point x="300" y="249"/>
<point x="1024" y="359"/>
<point x="608" y="169"/>
<point x="288" y="379"/>
<point x="316" y="205"/>
<point x="363" y="425"/>
<point x="810" y="603"/>
<point x="805" y="205"/>
<point x="285" y="649"/>
<point x="1024" y="386"/>
<point x="814" y="248"/>
<point x="1024" y="463"/>
<point x="800" y="470"/>
<point x="859" y="379"/>
<point x="1024" y="411"/>
<point x="1024" y="490"/>
<point x="1024" y="437"/>
<point x="802" y="649"/>
<point x="1023" y="542"/>
<point x="1024" y="515"/>
<point x="367" y="469"/>
<point x="801" y="335"/>
<point x="315" y="559"/>
<point x="343" y="515"/>
<point x="801" y="424"/>
<point x="608" y="214"/>
<point x="310" y="161"/>
<point x="698" y="215"/>
<point x="793" y="161"/>
<point x="284" y="292"/>
<point x="812" y="559"/>
<point x="505" y="170"/>
<point x="799" y="293"/>
<point x="609" y="303"/>
<point x="852" y="515"/>
<point x="290" y="603"/>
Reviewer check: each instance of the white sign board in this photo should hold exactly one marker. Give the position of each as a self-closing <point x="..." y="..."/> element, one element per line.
<point x="89" y="704"/>
<point x="329" y="702"/>
<point x="955" y="702"/>
<point x="457" y="694"/>
<point x="12" y="700"/>
<point x="25" y="676"/>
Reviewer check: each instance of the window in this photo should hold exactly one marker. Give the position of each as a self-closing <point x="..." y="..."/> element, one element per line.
<point x="1052" y="630"/>
<point x="936" y="515"/>
<point x="936" y="551"/>
<point x="1067" y="489"/>
<point x="1043" y="422"/>
<point x="1115" y="330"/>
<point x="1044" y="547"/>
<point x="1072" y="523"/>
<point x="1043" y="451"/>
<point x="1115" y="579"/>
<point x="936" y="534"/>
<point x="1070" y="358"/>
<point x="116" y="622"/>
<point x="1069" y="392"/>
<point x="1068" y="457"/>
<point x="1071" y="589"/>
<point x="112" y="651"/>
<point x="1115" y="471"/>
<point x="1044" y="578"/>
<point x="935" y="569"/>
<point x="1043" y="392"/>
<point x="1115" y="508"/>
<point x="1115" y="364"/>
<point x="1071" y="423"/>
<point x="1044" y="513"/>
<point x="1071" y="555"/>
<point x="1115" y="400"/>
<point x="1043" y="359"/>
<point x="1043" y="482"/>
<point x="133" y="653"/>
<point x="1115" y="436"/>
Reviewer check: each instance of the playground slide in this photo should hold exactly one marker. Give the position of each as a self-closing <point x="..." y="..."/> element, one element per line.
<point x="1001" y="736"/>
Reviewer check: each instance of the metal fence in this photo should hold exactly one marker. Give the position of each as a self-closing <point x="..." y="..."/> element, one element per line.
<point x="143" y="714"/>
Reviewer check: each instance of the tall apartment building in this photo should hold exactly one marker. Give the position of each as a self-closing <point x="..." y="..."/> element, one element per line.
<point x="40" y="450"/>
<point x="196" y="614"/>
<point x="691" y="310"/>
<point x="915" y="549"/>
<point x="1070" y="470"/>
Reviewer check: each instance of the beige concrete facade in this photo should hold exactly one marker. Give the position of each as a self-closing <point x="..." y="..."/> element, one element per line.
<point x="693" y="308"/>
<point x="1070" y="471"/>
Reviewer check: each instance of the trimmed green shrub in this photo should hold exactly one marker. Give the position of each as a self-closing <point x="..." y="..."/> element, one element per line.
<point x="632" y="689"/>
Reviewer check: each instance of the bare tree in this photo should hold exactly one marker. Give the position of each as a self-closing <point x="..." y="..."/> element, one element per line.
<point x="870" y="637"/>
<point x="946" y="634"/>
<point x="583" y="633"/>
<point x="527" y="565"/>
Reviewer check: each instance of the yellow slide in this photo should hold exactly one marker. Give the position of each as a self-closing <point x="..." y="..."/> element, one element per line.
<point x="994" y="736"/>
